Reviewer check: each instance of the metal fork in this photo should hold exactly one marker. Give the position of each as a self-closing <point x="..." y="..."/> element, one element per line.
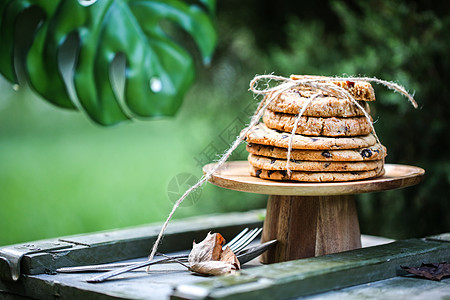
<point x="238" y="243"/>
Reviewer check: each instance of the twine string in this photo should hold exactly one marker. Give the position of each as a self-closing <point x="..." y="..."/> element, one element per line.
<point x="316" y="83"/>
<point x="324" y="85"/>
<point x="254" y="120"/>
<point x="271" y="93"/>
<point x="294" y="129"/>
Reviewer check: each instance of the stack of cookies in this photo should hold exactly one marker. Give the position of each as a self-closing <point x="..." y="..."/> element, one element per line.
<point x="333" y="140"/>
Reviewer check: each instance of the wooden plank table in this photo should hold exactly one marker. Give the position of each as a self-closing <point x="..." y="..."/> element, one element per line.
<point x="333" y="276"/>
<point x="310" y="219"/>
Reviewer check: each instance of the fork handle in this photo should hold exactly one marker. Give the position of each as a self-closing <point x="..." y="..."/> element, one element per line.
<point x="91" y="268"/>
<point x="109" y="267"/>
<point x="107" y="275"/>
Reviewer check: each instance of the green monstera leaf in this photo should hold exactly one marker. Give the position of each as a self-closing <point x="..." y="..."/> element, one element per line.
<point x="156" y="71"/>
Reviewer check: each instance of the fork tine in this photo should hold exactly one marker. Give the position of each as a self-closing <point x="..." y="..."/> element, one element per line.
<point x="243" y="240"/>
<point x="238" y="242"/>
<point x="235" y="239"/>
<point x="248" y="239"/>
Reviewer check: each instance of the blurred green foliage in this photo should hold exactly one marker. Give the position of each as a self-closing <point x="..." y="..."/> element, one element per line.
<point x="60" y="174"/>
<point x="110" y="59"/>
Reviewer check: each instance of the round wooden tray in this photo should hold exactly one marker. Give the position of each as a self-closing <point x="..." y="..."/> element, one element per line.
<point x="235" y="175"/>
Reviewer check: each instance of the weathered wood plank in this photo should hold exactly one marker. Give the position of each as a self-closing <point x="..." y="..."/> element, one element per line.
<point x="11" y="256"/>
<point x="283" y="280"/>
<point x="115" y="245"/>
<point x="319" y="274"/>
<point x="136" y="285"/>
<point x="409" y="288"/>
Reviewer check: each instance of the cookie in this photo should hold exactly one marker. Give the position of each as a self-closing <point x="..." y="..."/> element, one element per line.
<point x="260" y="134"/>
<point x="375" y="152"/>
<point x="360" y="90"/>
<point x="292" y="101"/>
<point x="267" y="163"/>
<point x="314" y="126"/>
<point x="315" y="176"/>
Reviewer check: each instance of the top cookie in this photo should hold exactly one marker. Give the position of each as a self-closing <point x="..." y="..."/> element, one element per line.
<point x="360" y="90"/>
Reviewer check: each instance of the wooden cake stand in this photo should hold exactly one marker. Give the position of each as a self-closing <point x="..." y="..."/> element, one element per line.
<point x="311" y="219"/>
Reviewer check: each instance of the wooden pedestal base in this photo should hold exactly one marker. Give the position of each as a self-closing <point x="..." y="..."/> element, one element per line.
<point x="307" y="226"/>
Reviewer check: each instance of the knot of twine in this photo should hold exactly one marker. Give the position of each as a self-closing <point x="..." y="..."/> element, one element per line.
<point x="322" y="84"/>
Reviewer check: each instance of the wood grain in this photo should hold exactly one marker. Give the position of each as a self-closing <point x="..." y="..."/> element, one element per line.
<point x="235" y="175"/>
<point x="308" y="226"/>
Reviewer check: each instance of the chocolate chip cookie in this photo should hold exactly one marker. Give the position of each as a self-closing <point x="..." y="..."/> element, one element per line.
<point x="314" y="126"/>
<point x="360" y="90"/>
<point x="261" y="134"/>
<point x="315" y="176"/>
<point x="375" y="152"/>
<point x="267" y="163"/>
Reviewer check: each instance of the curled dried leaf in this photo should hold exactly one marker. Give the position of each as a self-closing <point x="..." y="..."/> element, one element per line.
<point x="229" y="257"/>
<point x="433" y="271"/>
<point x="213" y="267"/>
<point x="209" y="249"/>
<point x="207" y="257"/>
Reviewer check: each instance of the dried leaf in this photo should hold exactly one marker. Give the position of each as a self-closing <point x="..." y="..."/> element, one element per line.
<point x="431" y="271"/>
<point x="229" y="257"/>
<point x="209" y="249"/>
<point x="207" y="257"/>
<point x="213" y="267"/>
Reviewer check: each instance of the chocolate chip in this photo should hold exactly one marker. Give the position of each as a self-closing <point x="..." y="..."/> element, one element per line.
<point x="284" y="174"/>
<point x="366" y="153"/>
<point x="258" y="172"/>
<point x="354" y="173"/>
<point x="296" y="161"/>
<point x="326" y="154"/>
<point x="273" y="161"/>
<point x="284" y="136"/>
<point x="314" y="139"/>
<point x="326" y="165"/>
